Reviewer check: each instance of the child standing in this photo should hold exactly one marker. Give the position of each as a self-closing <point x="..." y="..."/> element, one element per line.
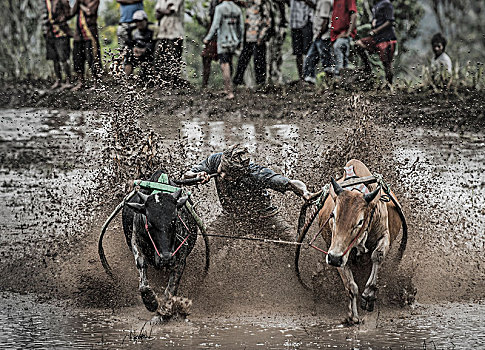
<point x="441" y="59"/>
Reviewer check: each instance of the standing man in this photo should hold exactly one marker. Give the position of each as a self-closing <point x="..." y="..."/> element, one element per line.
<point x="344" y="29"/>
<point x="301" y="12"/>
<point x="57" y="36"/>
<point x="381" y="40"/>
<point x="229" y="24"/>
<point x="86" y="40"/>
<point x="168" y="54"/>
<point x="126" y="25"/>
<point x="321" y="47"/>
<point x="258" y="23"/>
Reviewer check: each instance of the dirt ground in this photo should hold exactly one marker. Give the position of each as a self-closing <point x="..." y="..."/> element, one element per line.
<point x="143" y="128"/>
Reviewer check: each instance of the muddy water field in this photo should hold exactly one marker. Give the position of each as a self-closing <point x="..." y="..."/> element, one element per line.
<point x="67" y="159"/>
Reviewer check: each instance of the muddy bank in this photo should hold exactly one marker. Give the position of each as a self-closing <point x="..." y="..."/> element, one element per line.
<point x="461" y="111"/>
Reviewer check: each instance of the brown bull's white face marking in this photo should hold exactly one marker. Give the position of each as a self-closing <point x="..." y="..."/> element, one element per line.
<point x="346" y="223"/>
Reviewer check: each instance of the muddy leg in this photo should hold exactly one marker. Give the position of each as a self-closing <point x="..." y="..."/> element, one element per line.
<point x="175" y="306"/>
<point x="378" y="255"/>
<point x="353" y="290"/>
<point x="147" y="294"/>
<point x="174" y="279"/>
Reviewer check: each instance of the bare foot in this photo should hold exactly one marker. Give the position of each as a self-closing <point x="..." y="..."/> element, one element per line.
<point x="78" y="86"/>
<point x="66" y="86"/>
<point x="56" y="85"/>
<point x="230" y="96"/>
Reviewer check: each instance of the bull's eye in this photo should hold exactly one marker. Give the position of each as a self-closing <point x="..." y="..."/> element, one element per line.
<point x="332" y="215"/>
<point x="361" y="221"/>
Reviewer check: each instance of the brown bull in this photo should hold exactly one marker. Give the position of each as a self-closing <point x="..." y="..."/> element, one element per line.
<point x="365" y="221"/>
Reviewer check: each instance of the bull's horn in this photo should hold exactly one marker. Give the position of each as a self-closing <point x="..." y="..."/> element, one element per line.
<point x="336" y="187"/>
<point x="177" y="194"/>
<point x="143" y="197"/>
<point x="369" y="197"/>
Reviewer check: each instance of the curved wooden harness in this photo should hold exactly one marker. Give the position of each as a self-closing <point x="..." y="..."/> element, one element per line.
<point x="162" y="185"/>
<point x="304" y="225"/>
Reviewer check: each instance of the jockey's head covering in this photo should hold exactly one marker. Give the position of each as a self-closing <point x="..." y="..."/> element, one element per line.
<point x="236" y="158"/>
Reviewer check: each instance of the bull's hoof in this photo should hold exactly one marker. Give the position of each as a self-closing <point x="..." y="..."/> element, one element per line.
<point x="367" y="303"/>
<point x="175" y="308"/>
<point x="351" y="321"/>
<point x="149" y="299"/>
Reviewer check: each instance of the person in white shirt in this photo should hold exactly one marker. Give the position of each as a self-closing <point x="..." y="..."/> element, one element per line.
<point x="441" y="60"/>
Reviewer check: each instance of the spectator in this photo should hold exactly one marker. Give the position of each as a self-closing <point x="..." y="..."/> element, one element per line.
<point x="140" y="45"/>
<point x="57" y="35"/>
<point x="382" y="39"/>
<point x="441" y="59"/>
<point x="127" y="9"/>
<point x="168" y="53"/>
<point x="229" y="25"/>
<point x="301" y="12"/>
<point x="321" y="47"/>
<point x="209" y="53"/>
<point x="344" y="24"/>
<point x="86" y="40"/>
<point x="276" y="39"/>
<point x="258" y="23"/>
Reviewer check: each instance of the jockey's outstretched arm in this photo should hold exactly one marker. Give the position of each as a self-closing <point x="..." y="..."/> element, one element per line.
<point x="301" y="190"/>
<point x="201" y="175"/>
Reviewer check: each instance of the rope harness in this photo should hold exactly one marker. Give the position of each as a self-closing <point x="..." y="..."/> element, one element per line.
<point x="321" y="200"/>
<point x="163" y="186"/>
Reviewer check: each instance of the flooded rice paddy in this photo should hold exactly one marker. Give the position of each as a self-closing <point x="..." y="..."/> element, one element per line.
<point x="49" y="161"/>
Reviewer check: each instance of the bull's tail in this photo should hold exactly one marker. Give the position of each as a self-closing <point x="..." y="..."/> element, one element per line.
<point x="101" y="254"/>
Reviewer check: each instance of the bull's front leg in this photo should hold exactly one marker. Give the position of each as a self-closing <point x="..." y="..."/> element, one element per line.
<point x="174" y="279"/>
<point x="353" y="292"/>
<point x="175" y="306"/>
<point x="147" y="294"/>
<point x="378" y="255"/>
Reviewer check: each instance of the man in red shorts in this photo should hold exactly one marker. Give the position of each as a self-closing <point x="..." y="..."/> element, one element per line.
<point x="382" y="39"/>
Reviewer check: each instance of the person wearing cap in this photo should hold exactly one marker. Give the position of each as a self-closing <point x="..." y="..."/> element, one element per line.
<point x="126" y="24"/>
<point x="242" y="187"/>
<point x="140" y="44"/>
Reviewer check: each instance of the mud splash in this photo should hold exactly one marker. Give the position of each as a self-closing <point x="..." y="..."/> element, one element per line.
<point x="56" y="163"/>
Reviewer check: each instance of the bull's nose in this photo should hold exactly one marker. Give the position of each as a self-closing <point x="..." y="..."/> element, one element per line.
<point x="334" y="260"/>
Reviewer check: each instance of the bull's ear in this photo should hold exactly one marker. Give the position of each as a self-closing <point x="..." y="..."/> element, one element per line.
<point x="137" y="207"/>
<point x="181" y="201"/>
<point x="336" y="187"/>
<point x="143" y="197"/>
<point x="369" y="197"/>
<point x="177" y="194"/>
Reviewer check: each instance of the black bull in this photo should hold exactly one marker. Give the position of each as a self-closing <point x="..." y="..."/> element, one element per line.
<point x="155" y="227"/>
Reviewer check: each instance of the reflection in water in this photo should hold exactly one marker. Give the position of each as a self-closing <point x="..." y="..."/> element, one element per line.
<point x="26" y="324"/>
<point x="217" y="135"/>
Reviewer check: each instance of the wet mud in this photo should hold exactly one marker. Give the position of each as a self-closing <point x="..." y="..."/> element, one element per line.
<point x="64" y="170"/>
